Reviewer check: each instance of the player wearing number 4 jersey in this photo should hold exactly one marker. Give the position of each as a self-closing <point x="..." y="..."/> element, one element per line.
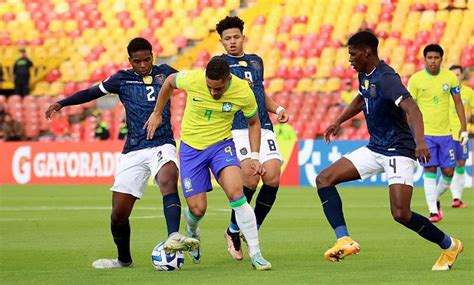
<point x="250" y="67"/>
<point x="213" y="98"/>
<point x="391" y="149"/>
<point x="137" y="88"/>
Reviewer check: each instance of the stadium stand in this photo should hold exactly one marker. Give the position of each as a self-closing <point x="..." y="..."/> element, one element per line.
<point x="75" y="44"/>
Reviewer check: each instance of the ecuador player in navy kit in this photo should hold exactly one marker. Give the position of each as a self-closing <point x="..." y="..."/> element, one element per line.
<point x="250" y="67"/>
<point x="138" y="89"/>
<point x="391" y="149"/>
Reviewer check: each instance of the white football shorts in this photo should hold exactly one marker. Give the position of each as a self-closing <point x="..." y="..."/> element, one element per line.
<point x="134" y="168"/>
<point x="268" y="145"/>
<point x="399" y="169"/>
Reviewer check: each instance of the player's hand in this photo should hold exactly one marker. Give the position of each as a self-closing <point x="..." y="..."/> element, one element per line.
<point x="53" y="108"/>
<point x="331" y="130"/>
<point x="463" y="137"/>
<point x="422" y="151"/>
<point x="257" y="167"/>
<point x="250" y="82"/>
<point x="283" y="116"/>
<point x="153" y="123"/>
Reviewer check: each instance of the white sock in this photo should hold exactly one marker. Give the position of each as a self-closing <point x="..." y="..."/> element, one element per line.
<point x="192" y="222"/>
<point x="457" y="184"/>
<point x="247" y="223"/>
<point x="431" y="195"/>
<point x="443" y="185"/>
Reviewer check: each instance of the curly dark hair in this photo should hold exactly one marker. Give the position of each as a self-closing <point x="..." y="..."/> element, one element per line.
<point x="138" y="44"/>
<point x="217" y="68"/>
<point x="230" y="23"/>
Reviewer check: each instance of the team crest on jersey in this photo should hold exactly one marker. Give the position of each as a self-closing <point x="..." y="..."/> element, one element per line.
<point x="226" y="107"/>
<point x="187" y="184"/>
<point x="147" y="79"/>
<point x="243" y="63"/>
<point x="255" y="64"/>
<point x="445" y="87"/>
<point x="160" y="78"/>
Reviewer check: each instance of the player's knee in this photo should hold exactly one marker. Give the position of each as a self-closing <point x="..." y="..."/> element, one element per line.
<point x="118" y="218"/>
<point x="402" y="216"/>
<point x="168" y="186"/>
<point x="272" y="180"/>
<point x="198" y="210"/>
<point x="323" y="179"/>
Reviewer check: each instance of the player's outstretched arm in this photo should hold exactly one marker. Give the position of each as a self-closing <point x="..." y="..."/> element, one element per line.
<point x="416" y="121"/>
<point x="254" y="138"/>
<point x="154" y="121"/>
<point x="273" y="107"/>
<point x="78" y="98"/>
<point x="353" y="109"/>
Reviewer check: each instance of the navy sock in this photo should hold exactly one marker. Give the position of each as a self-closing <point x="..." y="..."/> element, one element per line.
<point x="121" y="235"/>
<point x="332" y="207"/>
<point x="172" y="211"/>
<point x="265" y="199"/>
<point x="233" y="222"/>
<point x="427" y="230"/>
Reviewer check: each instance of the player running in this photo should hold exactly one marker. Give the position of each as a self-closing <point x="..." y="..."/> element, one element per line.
<point x="391" y="149"/>
<point x="213" y="98"/>
<point x="137" y="88"/>
<point x="250" y="67"/>
<point x="431" y="89"/>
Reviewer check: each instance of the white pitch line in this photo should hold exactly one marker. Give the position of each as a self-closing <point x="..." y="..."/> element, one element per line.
<point x="71" y="208"/>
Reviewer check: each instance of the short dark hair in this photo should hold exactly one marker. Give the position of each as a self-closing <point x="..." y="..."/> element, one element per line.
<point x="433" y="48"/>
<point x="230" y="23"/>
<point x="138" y="44"/>
<point x="364" y="39"/>
<point x="456" y="66"/>
<point x="217" y="68"/>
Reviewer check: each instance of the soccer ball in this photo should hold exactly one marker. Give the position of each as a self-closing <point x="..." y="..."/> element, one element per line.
<point x="166" y="262"/>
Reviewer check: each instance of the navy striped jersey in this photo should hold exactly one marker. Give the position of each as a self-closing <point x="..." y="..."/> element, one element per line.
<point x="138" y="95"/>
<point x="250" y="66"/>
<point x="387" y="123"/>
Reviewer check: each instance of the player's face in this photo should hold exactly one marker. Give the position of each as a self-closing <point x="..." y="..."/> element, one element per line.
<point x="358" y="58"/>
<point x="233" y="41"/>
<point x="433" y="62"/>
<point x="141" y="62"/>
<point x="217" y="87"/>
<point x="458" y="73"/>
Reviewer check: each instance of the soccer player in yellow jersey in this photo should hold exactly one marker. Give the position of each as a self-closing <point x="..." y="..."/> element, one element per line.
<point x="432" y="89"/>
<point x="214" y="96"/>
<point x="461" y="148"/>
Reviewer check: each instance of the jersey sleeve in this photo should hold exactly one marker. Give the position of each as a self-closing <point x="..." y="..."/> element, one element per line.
<point x="393" y="89"/>
<point x="412" y="87"/>
<point x="250" y="107"/>
<point x="455" y="85"/>
<point x="111" y="84"/>
<point x="170" y="70"/>
<point x="183" y="79"/>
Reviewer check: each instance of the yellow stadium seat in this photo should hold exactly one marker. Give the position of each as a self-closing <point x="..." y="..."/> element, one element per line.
<point x="276" y="85"/>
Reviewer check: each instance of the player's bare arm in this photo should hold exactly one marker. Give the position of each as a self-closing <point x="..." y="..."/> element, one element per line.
<point x="422" y="150"/>
<point x="53" y="108"/>
<point x="254" y="138"/>
<point x="154" y="121"/>
<point x="273" y="107"/>
<point x="463" y="135"/>
<point x="353" y="109"/>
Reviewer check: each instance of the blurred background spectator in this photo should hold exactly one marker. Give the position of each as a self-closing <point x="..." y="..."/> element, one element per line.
<point x="21" y="73"/>
<point x="12" y="129"/>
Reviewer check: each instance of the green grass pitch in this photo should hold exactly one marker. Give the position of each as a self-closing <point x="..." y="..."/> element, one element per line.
<point x="52" y="234"/>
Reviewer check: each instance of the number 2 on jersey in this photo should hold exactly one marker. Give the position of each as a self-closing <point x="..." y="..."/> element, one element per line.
<point x="150" y="93"/>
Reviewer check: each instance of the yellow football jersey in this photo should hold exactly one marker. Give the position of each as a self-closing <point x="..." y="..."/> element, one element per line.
<point x="207" y="121"/>
<point x="433" y="96"/>
<point x="467" y="97"/>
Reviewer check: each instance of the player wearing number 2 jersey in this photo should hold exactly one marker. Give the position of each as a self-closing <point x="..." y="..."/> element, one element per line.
<point x="138" y="88"/>
<point x="213" y="98"/>
<point x="250" y="67"/>
<point x="391" y="149"/>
